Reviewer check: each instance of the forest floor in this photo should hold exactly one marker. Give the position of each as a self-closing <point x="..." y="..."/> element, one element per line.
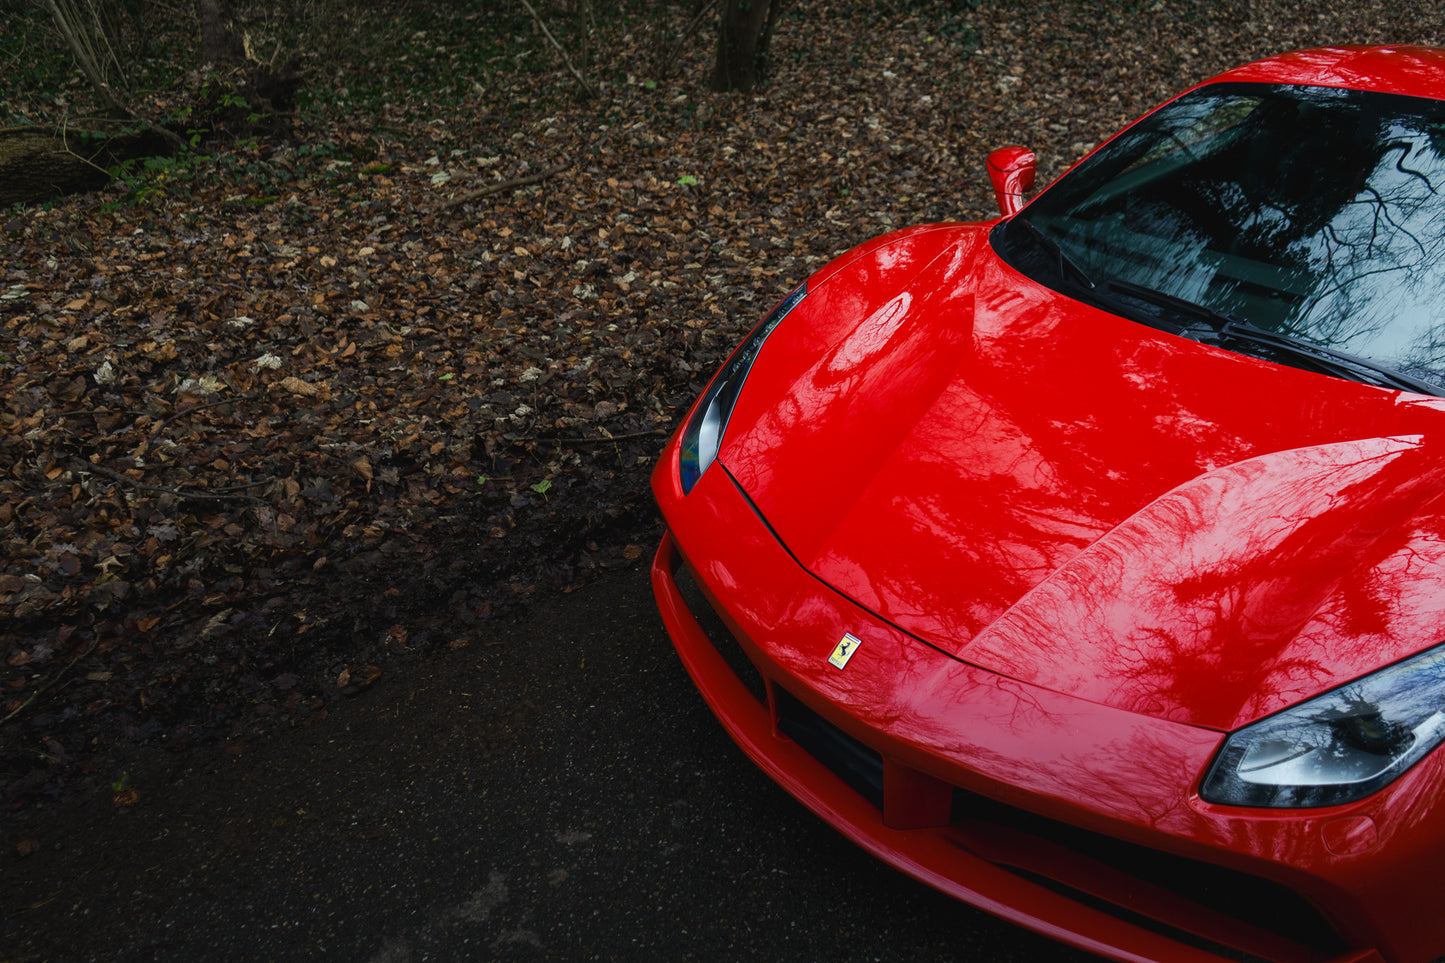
<point x="284" y="413"/>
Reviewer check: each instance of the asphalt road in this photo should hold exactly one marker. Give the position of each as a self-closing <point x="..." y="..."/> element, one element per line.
<point x="555" y="790"/>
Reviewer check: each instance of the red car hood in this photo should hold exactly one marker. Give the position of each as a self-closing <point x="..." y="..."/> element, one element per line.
<point x="1086" y="504"/>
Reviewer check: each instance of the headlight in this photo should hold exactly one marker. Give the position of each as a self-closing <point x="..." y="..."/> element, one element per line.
<point x="703" y="438"/>
<point x="1338" y="747"/>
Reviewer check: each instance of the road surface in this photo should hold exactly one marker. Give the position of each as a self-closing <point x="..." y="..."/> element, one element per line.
<point x="555" y="790"/>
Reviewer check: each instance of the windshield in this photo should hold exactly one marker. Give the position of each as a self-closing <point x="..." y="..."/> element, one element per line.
<point x="1312" y="212"/>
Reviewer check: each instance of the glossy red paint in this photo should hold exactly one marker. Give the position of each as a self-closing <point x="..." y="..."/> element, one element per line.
<point x="1076" y="552"/>
<point x="1398" y="69"/>
<point x="968" y="452"/>
<point x="1011" y="169"/>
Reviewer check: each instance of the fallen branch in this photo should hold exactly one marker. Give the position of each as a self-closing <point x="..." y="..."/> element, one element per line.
<point x="43" y="161"/>
<point x="586" y="87"/>
<point x="480" y="192"/>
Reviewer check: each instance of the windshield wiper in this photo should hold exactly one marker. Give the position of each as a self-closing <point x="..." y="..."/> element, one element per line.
<point x="1329" y="360"/>
<point x="1067" y="264"/>
<point x="1187" y="311"/>
<point x="1224" y="326"/>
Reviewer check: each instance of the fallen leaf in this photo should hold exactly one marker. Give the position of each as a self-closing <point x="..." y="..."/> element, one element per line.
<point x="296" y="386"/>
<point x="204" y="385"/>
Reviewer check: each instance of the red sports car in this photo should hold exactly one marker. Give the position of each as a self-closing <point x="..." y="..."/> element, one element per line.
<point x="1089" y="564"/>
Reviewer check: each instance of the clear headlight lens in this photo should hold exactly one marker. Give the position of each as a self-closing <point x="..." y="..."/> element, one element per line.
<point x="703" y="438"/>
<point x="1337" y="747"/>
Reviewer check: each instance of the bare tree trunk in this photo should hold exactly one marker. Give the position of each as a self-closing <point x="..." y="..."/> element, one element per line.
<point x="220" y="43"/>
<point x="744" y="36"/>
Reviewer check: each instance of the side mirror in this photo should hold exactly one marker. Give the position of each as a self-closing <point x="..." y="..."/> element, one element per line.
<point x="1011" y="170"/>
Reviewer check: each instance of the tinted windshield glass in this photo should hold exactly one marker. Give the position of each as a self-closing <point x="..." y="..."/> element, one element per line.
<point x="1313" y="212"/>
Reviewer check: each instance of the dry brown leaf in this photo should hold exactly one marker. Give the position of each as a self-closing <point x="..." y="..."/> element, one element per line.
<point x="296" y="386"/>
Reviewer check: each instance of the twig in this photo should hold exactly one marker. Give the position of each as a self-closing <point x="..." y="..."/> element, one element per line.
<point x="600" y="441"/>
<point x="65" y="143"/>
<point x="84" y="53"/>
<point x="54" y="679"/>
<point x="586" y="87"/>
<point x="160" y="423"/>
<point x="170" y="137"/>
<point x="470" y="196"/>
<point x="666" y="64"/>
<point x="226" y="495"/>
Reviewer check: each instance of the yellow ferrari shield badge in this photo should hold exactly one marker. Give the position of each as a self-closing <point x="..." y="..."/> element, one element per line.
<point x="844" y="650"/>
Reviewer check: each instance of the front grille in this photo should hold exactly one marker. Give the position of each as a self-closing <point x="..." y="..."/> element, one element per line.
<point x="1247" y="899"/>
<point x="719" y="634"/>
<point x="846" y="757"/>
<point x="1092" y="868"/>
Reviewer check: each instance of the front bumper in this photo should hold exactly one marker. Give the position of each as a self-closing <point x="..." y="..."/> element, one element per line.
<point x="1073" y="819"/>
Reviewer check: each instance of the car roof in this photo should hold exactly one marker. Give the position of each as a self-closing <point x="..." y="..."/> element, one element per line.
<point x="1403" y="69"/>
